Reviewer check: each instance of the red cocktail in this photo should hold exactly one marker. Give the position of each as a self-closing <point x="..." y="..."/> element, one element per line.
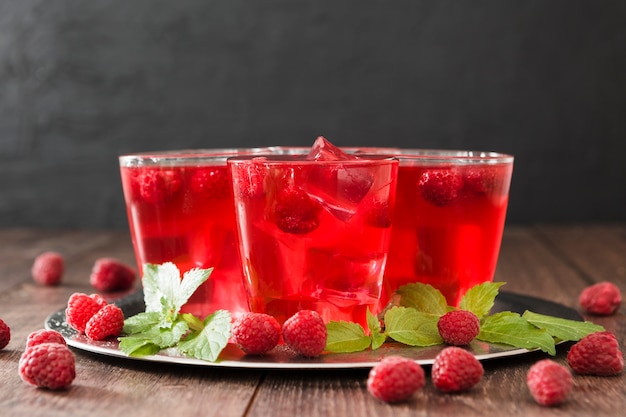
<point x="448" y="220"/>
<point x="314" y="230"/>
<point x="180" y="209"/>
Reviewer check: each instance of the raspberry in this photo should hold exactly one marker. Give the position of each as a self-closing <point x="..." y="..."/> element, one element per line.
<point x="395" y="379"/>
<point x="5" y="334"/>
<point x="48" y="268"/>
<point x="305" y="332"/>
<point x="48" y="365"/>
<point x="80" y="308"/>
<point x="378" y="214"/>
<point x="212" y="183"/>
<point x="109" y="274"/>
<point x="156" y="185"/>
<point x="603" y="298"/>
<point x="99" y="299"/>
<point x="456" y="369"/>
<point x="256" y="333"/>
<point x="458" y="327"/>
<point x="440" y="186"/>
<point x="296" y="212"/>
<point x="44" y="336"/>
<point x="596" y="354"/>
<point x="108" y="321"/>
<point x="549" y="382"/>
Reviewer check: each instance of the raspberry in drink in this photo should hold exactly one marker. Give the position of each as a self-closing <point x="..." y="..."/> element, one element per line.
<point x="314" y="230"/>
<point x="180" y="209"/>
<point x="448" y="220"/>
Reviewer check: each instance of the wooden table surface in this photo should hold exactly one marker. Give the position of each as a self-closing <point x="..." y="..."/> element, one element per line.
<point x="554" y="262"/>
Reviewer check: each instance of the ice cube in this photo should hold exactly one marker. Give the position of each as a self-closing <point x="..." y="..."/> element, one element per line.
<point x="323" y="150"/>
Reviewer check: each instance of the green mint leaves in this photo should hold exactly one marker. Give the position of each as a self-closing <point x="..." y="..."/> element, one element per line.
<point x="162" y="325"/>
<point x="414" y="322"/>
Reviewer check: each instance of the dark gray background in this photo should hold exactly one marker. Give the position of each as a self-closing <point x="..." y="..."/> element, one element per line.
<point x="84" y="81"/>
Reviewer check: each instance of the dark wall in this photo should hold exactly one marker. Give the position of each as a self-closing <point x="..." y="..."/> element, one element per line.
<point x="82" y="82"/>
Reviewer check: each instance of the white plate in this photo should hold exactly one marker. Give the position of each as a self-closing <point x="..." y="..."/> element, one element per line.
<point x="283" y="358"/>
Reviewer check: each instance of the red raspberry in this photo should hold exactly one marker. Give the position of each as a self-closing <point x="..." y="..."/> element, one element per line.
<point x="44" y="336"/>
<point x="395" y="379"/>
<point x="440" y="186"/>
<point x="603" y="298"/>
<point x="456" y="369"/>
<point x="157" y="185"/>
<point x="108" y="321"/>
<point x="296" y="212"/>
<point x="48" y="365"/>
<point x="596" y="354"/>
<point x="80" y="308"/>
<point x="378" y="214"/>
<point x="458" y="327"/>
<point x="211" y="183"/>
<point x="109" y="274"/>
<point x="48" y="268"/>
<point x="5" y="334"/>
<point x="305" y="332"/>
<point x="256" y="333"/>
<point x="99" y="299"/>
<point x="549" y="382"/>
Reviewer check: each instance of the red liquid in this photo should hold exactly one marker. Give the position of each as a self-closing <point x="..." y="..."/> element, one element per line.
<point x="449" y="240"/>
<point x="185" y="214"/>
<point x="313" y="236"/>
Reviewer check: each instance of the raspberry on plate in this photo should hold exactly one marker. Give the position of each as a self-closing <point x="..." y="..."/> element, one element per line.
<point x="296" y="212"/>
<point x="596" y="354"/>
<point x="458" y="327"/>
<point x="455" y="369"/>
<point x="603" y="298"/>
<point x="395" y="379"/>
<point x="48" y="365"/>
<point x="44" y="336"/>
<point x="48" y="268"/>
<point x="80" y="308"/>
<point x="5" y="334"/>
<point x="110" y="274"/>
<point x="305" y="332"/>
<point x="256" y="333"/>
<point x="108" y="321"/>
<point x="549" y="382"/>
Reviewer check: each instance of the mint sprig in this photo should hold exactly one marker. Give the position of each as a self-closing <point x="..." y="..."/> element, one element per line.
<point x="413" y="322"/>
<point x="163" y="326"/>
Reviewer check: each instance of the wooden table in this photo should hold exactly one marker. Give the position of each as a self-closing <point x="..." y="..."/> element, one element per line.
<point x="552" y="262"/>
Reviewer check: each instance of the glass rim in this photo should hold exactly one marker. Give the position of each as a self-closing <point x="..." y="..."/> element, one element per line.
<point x="299" y="159"/>
<point x="184" y="156"/>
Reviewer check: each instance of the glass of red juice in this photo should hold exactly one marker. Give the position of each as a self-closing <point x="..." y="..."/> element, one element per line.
<point x="314" y="230"/>
<point x="448" y="220"/>
<point x="180" y="209"/>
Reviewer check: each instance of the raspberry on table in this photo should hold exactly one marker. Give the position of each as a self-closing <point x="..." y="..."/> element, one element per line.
<point x="596" y="354"/>
<point x="44" y="336"/>
<point x="5" y="334"/>
<point x="603" y="298"/>
<point x="110" y="274"/>
<point x="256" y="333"/>
<point x="395" y="379"/>
<point x="458" y="327"/>
<point x="48" y="365"/>
<point x="305" y="332"/>
<point x="48" y="268"/>
<point x="108" y="321"/>
<point x="456" y="369"/>
<point x="80" y="308"/>
<point x="549" y="382"/>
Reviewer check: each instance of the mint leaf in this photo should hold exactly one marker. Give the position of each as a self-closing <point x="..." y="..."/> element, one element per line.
<point x="512" y="329"/>
<point x="141" y="322"/>
<point x="344" y="337"/>
<point x="138" y="346"/>
<point x="480" y="298"/>
<point x="152" y="340"/>
<point x="208" y="343"/>
<point x="373" y="324"/>
<point x="411" y="327"/>
<point x="424" y="298"/>
<point x="564" y="329"/>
